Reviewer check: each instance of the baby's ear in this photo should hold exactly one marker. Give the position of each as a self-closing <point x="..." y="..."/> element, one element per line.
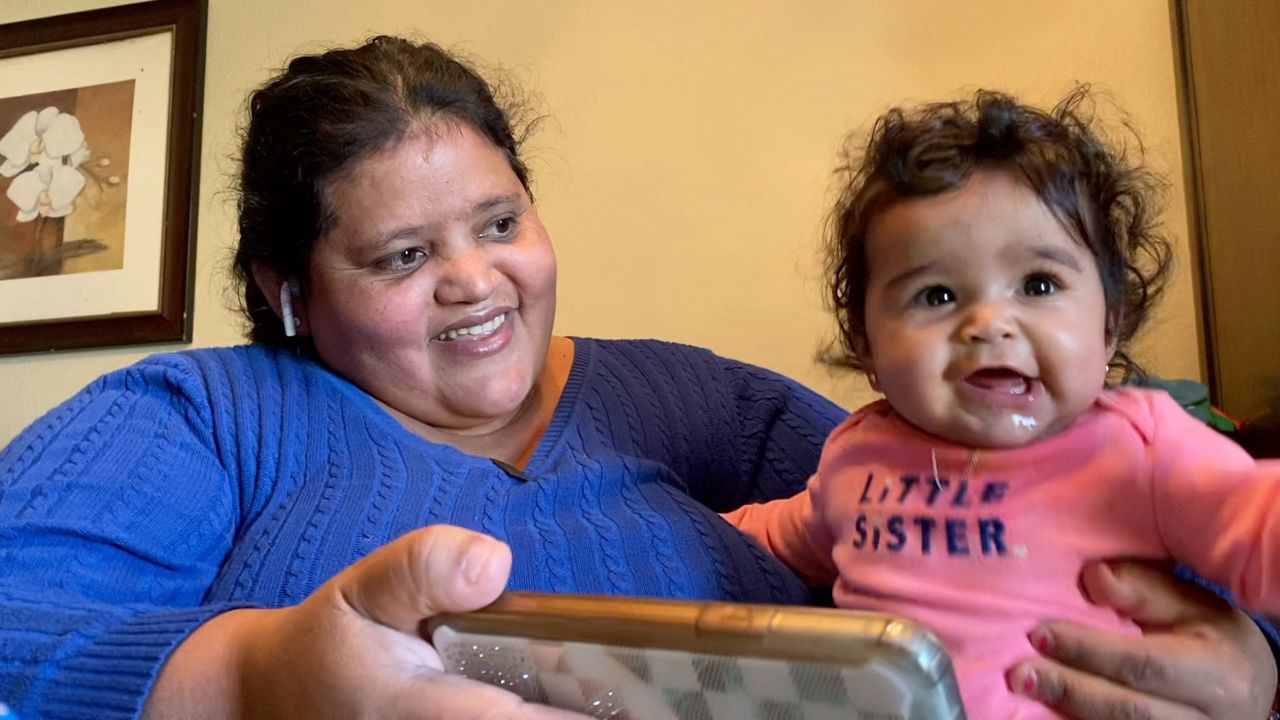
<point x="862" y="349"/>
<point x="873" y="380"/>
<point x="1112" y="331"/>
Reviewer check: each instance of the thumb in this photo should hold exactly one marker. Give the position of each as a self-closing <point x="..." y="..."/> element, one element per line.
<point x="1146" y="594"/>
<point x="440" y="568"/>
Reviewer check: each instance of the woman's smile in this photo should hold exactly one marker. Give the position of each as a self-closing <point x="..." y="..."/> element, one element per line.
<point x="474" y="331"/>
<point x="479" y="340"/>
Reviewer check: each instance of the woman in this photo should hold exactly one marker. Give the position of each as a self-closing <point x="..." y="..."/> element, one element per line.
<point x="259" y="531"/>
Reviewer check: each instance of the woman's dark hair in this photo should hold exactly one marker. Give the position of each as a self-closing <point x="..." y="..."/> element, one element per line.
<point x="320" y="116"/>
<point x="1106" y="202"/>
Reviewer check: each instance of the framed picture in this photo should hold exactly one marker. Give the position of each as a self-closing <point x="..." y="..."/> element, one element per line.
<point x="99" y="166"/>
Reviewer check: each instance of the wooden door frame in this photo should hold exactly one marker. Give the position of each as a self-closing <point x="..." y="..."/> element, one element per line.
<point x="1193" y="184"/>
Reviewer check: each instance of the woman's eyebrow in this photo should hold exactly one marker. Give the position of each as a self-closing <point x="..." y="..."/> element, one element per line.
<point x="400" y="233"/>
<point x="412" y="231"/>
<point x="496" y="201"/>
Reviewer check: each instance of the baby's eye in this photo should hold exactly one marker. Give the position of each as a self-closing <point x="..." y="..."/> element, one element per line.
<point x="936" y="295"/>
<point x="404" y="260"/>
<point x="1038" y="285"/>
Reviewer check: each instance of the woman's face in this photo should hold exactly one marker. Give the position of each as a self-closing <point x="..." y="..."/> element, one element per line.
<point x="435" y="290"/>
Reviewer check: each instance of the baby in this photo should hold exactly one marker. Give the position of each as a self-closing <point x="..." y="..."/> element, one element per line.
<point x="989" y="263"/>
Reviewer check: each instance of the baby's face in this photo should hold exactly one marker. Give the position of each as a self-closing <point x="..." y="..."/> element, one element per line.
<point x="986" y="320"/>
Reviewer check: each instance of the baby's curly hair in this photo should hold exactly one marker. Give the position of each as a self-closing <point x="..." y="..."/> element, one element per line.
<point x="1102" y="198"/>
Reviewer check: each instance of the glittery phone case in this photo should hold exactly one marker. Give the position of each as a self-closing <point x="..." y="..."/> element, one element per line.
<point x="644" y="659"/>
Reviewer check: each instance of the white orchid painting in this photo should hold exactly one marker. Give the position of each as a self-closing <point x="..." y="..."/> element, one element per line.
<point x="64" y="159"/>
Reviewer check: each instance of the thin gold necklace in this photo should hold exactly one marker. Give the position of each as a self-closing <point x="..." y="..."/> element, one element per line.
<point x="968" y="473"/>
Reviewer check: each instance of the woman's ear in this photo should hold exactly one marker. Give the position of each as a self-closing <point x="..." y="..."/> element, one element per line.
<point x="283" y="296"/>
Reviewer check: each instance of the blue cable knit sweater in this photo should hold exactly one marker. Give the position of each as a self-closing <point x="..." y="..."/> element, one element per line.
<point x="196" y="482"/>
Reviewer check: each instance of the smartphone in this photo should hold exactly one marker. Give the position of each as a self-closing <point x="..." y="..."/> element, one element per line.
<point x="647" y="659"/>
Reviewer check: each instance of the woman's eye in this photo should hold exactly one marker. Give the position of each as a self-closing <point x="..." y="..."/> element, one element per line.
<point x="936" y="295"/>
<point x="406" y="259"/>
<point x="503" y="227"/>
<point x="1038" y="285"/>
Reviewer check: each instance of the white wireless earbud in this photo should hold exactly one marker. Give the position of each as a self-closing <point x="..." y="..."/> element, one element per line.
<point x="287" y="289"/>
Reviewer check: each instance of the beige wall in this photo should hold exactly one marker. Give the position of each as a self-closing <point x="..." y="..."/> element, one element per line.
<point x="684" y="171"/>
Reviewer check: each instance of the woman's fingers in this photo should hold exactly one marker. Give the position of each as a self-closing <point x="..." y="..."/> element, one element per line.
<point x="436" y="569"/>
<point x="457" y="698"/>
<point x="352" y="649"/>
<point x="1148" y="595"/>
<point x="1198" y="658"/>
<point x="1186" y="668"/>
<point x="1077" y="694"/>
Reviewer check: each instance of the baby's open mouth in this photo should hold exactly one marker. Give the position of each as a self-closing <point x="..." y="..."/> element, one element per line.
<point x="1000" y="380"/>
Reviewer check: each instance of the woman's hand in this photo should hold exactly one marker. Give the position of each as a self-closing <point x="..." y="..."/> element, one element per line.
<point x="1197" y="658"/>
<point x="352" y="649"/>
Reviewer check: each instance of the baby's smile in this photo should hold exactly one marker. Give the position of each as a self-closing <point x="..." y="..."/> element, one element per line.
<point x="1001" y="387"/>
<point x="1006" y="381"/>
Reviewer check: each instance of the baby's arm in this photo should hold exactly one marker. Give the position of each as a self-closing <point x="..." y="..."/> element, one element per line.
<point x="792" y="530"/>
<point x="1217" y="509"/>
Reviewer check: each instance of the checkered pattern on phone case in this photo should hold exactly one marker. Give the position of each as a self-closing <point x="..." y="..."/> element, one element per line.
<point x="693" y="687"/>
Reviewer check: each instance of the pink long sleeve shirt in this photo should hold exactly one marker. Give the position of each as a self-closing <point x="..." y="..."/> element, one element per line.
<point x="982" y="557"/>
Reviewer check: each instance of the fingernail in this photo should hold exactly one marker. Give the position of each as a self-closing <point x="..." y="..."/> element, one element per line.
<point x="1022" y="681"/>
<point x="1041" y="640"/>
<point x="474" y="561"/>
<point x="1029" y="683"/>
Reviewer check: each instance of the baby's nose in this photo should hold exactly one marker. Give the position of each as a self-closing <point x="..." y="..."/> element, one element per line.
<point x="989" y="322"/>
